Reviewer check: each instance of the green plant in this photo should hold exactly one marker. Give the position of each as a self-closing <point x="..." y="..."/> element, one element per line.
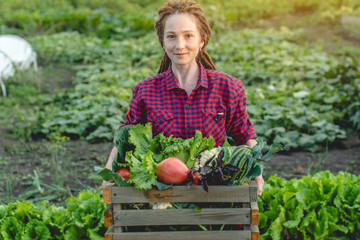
<point x="84" y="218"/>
<point x="323" y="206"/>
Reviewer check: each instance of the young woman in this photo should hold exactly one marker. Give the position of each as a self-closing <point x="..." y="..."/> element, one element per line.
<point x="188" y="93"/>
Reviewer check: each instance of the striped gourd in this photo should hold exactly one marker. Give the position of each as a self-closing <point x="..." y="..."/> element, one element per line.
<point x="239" y="157"/>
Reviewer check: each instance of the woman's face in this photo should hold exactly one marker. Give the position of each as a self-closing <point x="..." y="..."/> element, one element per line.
<point x="182" y="40"/>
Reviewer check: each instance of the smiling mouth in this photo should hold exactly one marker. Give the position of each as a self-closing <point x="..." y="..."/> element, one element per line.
<point x="180" y="54"/>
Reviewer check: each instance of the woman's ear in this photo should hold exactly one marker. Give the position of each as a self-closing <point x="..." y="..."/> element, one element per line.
<point x="203" y="39"/>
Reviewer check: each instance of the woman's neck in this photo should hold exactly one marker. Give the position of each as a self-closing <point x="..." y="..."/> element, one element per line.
<point x="187" y="76"/>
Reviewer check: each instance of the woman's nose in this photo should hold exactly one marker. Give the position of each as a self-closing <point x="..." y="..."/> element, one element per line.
<point x="180" y="43"/>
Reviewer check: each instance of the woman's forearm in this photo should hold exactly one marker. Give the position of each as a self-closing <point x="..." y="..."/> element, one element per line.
<point x="109" y="162"/>
<point x="111" y="158"/>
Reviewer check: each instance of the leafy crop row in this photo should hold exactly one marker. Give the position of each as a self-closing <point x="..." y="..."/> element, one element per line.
<point x="114" y="19"/>
<point x="324" y="206"/>
<point x="123" y="19"/>
<point x="297" y="96"/>
<point x="82" y="219"/>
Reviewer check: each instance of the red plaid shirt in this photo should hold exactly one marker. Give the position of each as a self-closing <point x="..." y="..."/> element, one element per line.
<point x="216" y="107"/>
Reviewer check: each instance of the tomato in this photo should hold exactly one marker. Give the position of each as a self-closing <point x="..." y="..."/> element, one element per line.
<point x="125" y="173"/>
<point x="172" y="170"/>
<point x="196" y="178"/>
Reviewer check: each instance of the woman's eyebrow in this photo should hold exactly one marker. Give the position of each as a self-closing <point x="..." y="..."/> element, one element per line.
<point x="185" y="31"/>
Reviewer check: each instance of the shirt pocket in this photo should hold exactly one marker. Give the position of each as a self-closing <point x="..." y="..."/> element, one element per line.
<point x="214" y="124"/>
<point x="162" y="121"/>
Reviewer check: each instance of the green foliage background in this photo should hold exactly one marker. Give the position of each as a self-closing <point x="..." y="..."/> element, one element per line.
<point x="297" y="96"/>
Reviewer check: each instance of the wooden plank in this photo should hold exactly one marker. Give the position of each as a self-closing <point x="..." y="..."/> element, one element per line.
<point x="246" y="205"/>
<point x="181" y="194"/>
<point x="109" y="234"/>
<point x="255" y="219"/>
<point x="255" y="233"/>
<point x="182" y="217"/>
<point x="117" y="209"/>
<point x="253" y="191"/>
<point x="184" y="235"/>
<point x="107" y="194"/>
<point x="108" y="216"/>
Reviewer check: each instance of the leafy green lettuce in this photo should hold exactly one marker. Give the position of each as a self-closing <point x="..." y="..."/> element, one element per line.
<point x="83" y="219"/>
<point x="324" y="206"/>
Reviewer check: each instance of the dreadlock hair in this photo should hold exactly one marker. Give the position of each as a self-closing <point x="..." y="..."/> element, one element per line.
<point x="184" y="6"/>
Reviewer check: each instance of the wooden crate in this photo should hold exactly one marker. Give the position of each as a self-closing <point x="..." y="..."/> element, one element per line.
<point x="117" y="218"/>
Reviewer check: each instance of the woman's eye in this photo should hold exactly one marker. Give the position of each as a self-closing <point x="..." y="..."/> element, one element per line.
<point x="188" y="35"/>
<point x="170" y="36"/>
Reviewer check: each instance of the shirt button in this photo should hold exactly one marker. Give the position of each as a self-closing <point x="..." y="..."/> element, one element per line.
<point x="187" y="106"/>
<point x="216" y="118"/>
<point x="159" y="119"/>
<point x="188" y="128"/>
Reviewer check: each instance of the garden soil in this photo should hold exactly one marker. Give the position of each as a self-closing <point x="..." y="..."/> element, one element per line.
<point x="71" y="163"/>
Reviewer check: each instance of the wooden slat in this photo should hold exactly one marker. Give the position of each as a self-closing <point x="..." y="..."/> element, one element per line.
<point x="246" y="205"/>
<point x="116" y="209"/>
<point x="181" y="194"/>
<point x="255" y="219"/>
<point x="107" y="194"/>
<point x="109" y="234"/>
<point x="255" y="233"/>
<point x="184" y="235"/>
<point x="182" y="217"/>
<point x="253" y="191"/>
<point x="108" y="216"/>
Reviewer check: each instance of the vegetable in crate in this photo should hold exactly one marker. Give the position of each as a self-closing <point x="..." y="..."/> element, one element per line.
<point x="124" y="173"/>
<point x="233" y="165"/>
<point x="143" y="152"/>
<point x="172" y="171"/>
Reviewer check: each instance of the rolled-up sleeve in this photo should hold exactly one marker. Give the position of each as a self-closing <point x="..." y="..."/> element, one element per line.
<point x="238" y="125"/>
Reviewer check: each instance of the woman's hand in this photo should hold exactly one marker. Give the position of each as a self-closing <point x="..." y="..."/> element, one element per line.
<point x="260" y="184"/>
<point x="105" y="183"/>
<point x="259" y="180"/>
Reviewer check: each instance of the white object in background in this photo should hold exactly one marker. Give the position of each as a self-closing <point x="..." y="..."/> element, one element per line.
<point x="6" y="70"/>
<point x="19" y="51"/>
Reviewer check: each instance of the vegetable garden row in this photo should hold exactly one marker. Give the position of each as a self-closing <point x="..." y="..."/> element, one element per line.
<point x="298" y="96"/>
